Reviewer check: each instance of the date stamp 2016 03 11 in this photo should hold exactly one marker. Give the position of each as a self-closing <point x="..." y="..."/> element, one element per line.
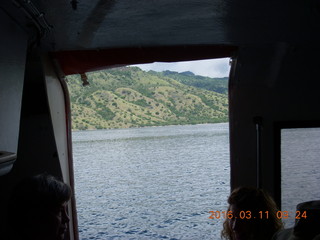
<point x="259" y="215"/>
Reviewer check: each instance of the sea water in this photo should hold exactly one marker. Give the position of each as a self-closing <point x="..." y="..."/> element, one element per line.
<point x="152" y="182"/>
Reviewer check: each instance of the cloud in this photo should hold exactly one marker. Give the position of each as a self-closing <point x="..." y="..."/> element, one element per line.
<point x="211" y="68"/>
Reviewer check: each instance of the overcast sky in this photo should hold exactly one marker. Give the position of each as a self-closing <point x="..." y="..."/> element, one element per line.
<point x="210" y="68"/>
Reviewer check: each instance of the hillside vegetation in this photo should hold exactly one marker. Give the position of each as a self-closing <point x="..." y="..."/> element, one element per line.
<point x="219" y="85"/>
<point x="129" y="97"/>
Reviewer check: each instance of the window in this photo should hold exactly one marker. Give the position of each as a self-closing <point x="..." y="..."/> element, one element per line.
<point x="300" y="151"/>
<point x="155" y="161"/>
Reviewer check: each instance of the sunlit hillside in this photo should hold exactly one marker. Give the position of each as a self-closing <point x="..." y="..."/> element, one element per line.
<point x="129" y="97"/>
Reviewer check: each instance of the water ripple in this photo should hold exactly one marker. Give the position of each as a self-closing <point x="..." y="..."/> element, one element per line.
<point x="151" y="183"/>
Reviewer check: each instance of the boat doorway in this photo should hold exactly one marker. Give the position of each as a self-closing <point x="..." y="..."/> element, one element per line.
<point x="151" y="156"/>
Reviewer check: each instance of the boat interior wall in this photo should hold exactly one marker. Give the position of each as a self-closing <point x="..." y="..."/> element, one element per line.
<point x="59" y="105"/>
<point x="12" y="66"/>
<point x="59" y="110"/>
<point x="37" y="151"/>
<point x="285" y="92"/>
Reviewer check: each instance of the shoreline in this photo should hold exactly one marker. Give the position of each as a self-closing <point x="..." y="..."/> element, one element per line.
<point x="77" y="130"/>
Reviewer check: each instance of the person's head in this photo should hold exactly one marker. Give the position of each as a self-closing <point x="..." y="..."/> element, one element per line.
<point x="253" y="215"/>
<point x="38" y="208"/>
<point x="307" y="220"/>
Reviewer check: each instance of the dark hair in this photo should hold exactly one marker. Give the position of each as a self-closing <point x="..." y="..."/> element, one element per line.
<point x="41" y="190"/>
<point x="33" y="198"/>
<point x="254" y="200"/>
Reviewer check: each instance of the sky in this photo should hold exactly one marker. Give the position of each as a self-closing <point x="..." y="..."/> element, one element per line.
<point x="214" y="68"/>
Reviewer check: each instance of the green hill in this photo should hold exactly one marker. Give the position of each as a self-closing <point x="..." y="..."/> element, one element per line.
<point x="129" y="97"/>
<point x="219" y="85"/>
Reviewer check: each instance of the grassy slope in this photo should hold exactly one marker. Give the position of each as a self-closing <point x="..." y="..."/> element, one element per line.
<point x="130" y="97"/>
<point x="219" y="85"/>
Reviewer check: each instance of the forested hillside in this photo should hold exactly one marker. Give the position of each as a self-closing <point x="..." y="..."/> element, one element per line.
<point x="129" y="97"/>
<point x="219" y="85"/>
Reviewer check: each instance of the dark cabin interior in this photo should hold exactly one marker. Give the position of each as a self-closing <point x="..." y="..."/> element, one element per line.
<point x="273" y="80"/>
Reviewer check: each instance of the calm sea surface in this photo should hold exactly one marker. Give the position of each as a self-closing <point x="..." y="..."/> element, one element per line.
<point x="152" y="182"/>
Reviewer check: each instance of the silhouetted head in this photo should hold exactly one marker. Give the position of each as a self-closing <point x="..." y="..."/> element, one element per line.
<point x="38" y="209"/>
<point x="307" y="222"/>
<point x="253" y="215"/>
